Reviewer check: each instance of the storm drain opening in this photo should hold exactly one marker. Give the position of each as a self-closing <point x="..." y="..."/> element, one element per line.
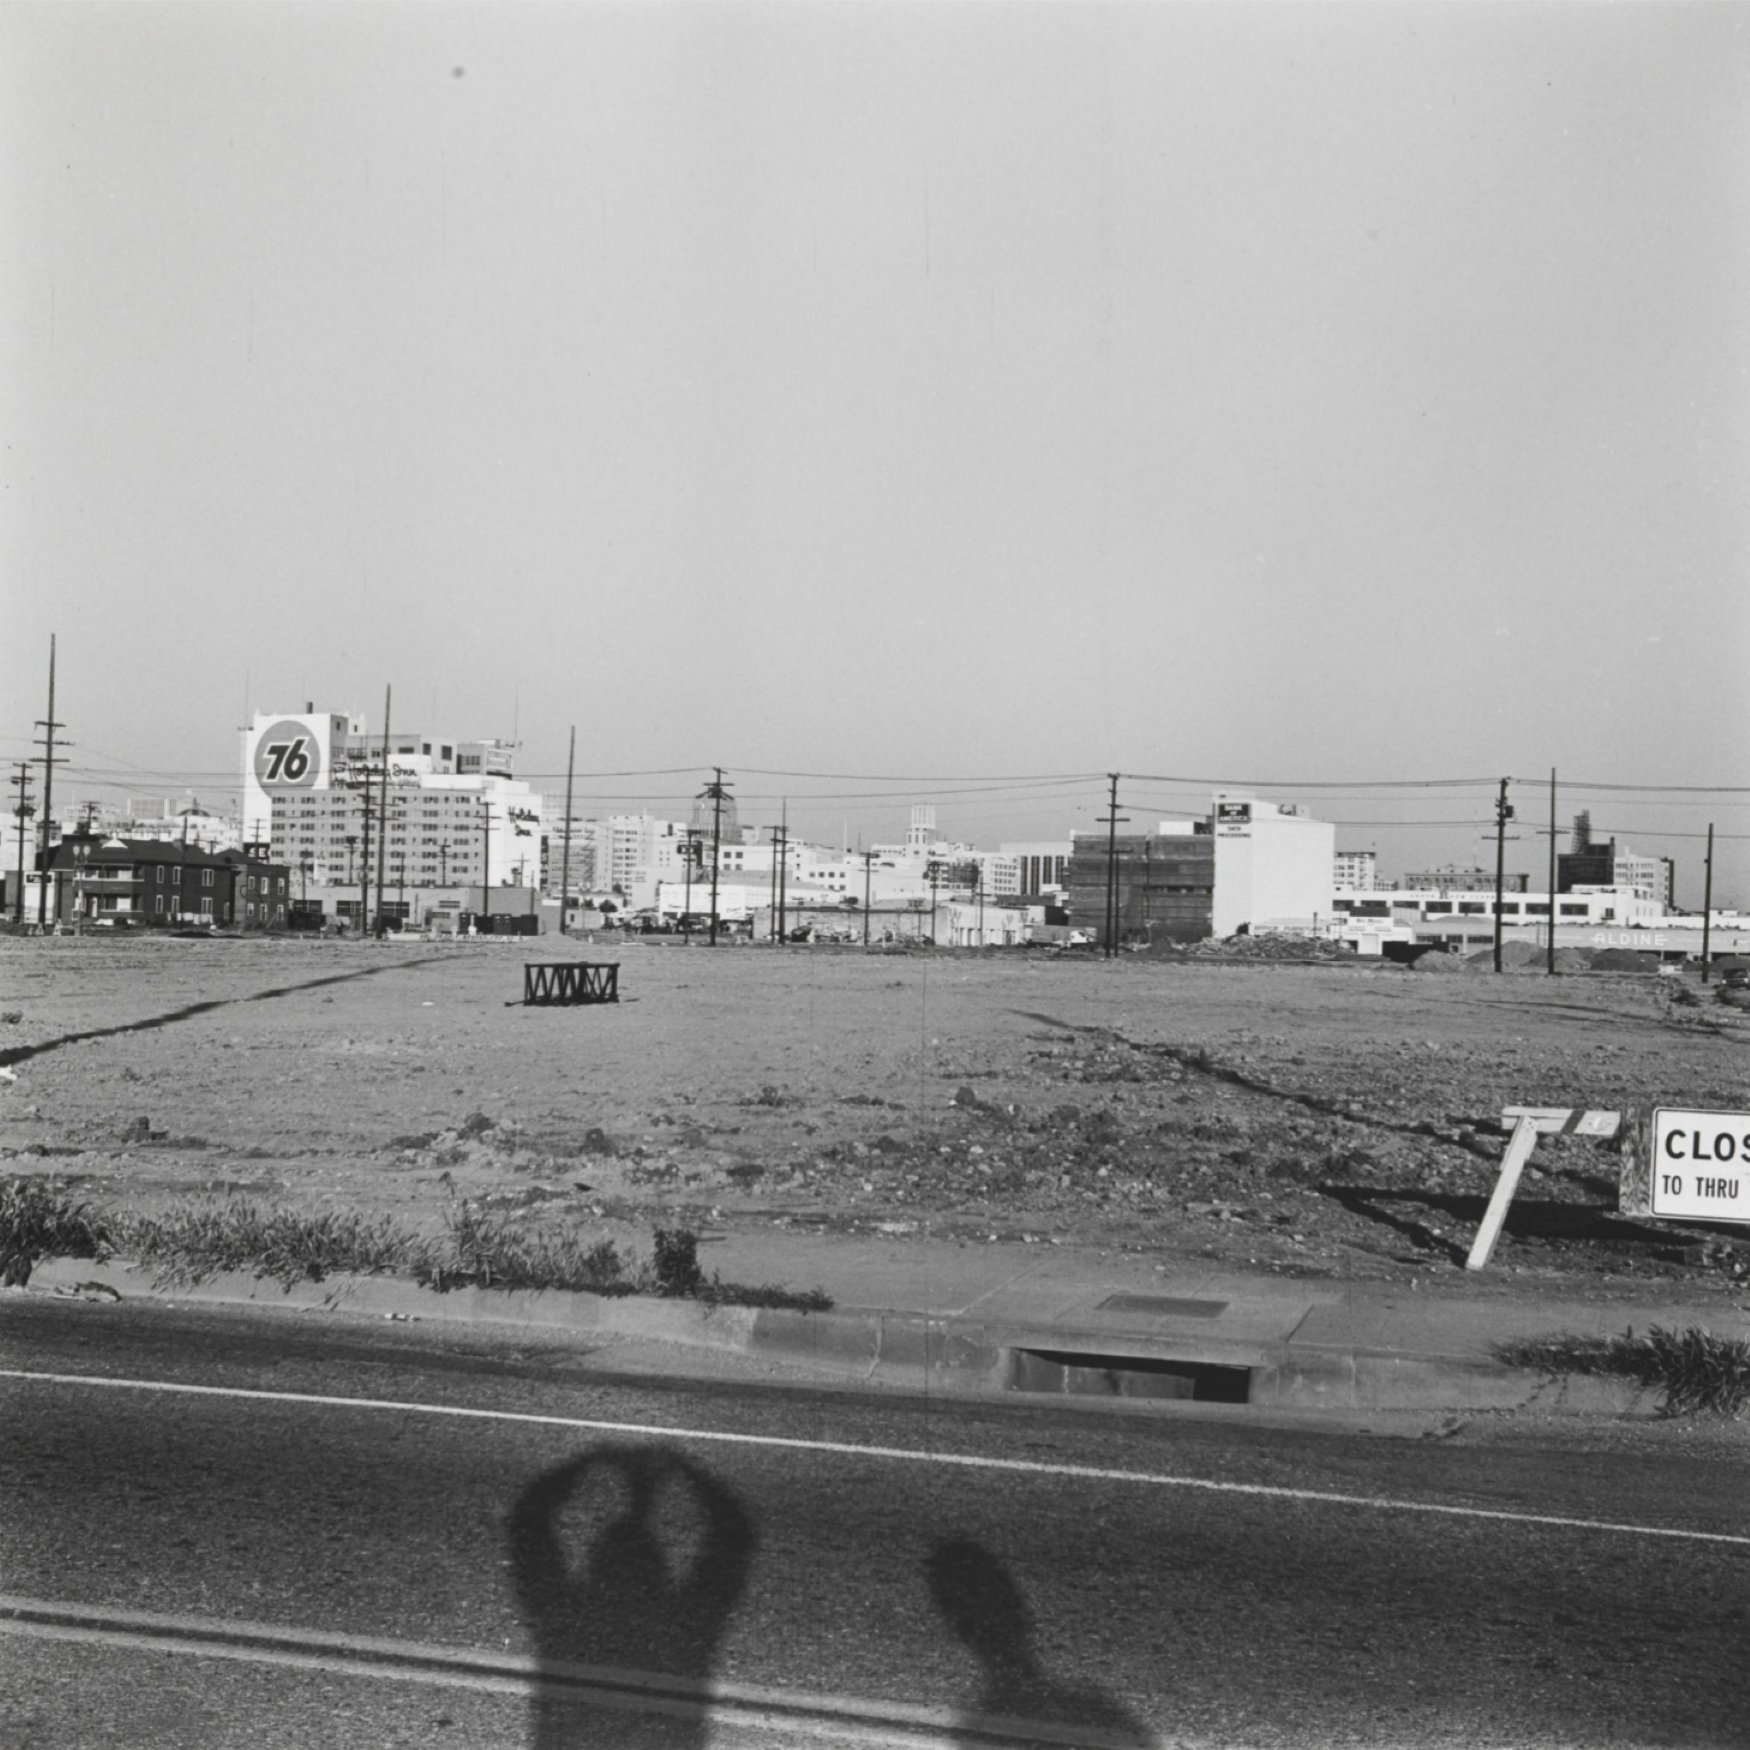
<point x="1075" y="1373"/>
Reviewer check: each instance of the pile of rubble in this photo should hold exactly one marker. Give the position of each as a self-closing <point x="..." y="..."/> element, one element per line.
<point x="1270" y="947"/>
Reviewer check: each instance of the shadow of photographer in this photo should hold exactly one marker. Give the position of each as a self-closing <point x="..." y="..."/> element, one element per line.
<point x="631" y="1558"/>
<point x="988" y="1614"/>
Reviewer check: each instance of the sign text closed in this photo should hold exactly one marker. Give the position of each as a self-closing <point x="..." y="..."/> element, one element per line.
<point x="1701" y="1165"/>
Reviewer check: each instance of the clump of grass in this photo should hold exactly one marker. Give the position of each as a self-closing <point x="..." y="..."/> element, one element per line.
<point x="675" y="1266"/>
<point x="196" y="1240"/>
<point x="676" y="1263"/>
<point x="193" y="1241"/>
<point x="479" y="1250"/>
<point x="39" y="1220"/>
<point x="1701" y="1373"/>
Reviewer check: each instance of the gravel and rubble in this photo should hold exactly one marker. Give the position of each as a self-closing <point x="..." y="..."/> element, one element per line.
<point x="1320" y="1120"/>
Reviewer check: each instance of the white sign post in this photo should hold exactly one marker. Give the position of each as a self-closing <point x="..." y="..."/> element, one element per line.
<point x="1700" y="1166"/>
<point x="1529" y="1123"/>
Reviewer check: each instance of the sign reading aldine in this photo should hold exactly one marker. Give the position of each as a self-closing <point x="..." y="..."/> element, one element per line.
<point x="1701" y="1165"/>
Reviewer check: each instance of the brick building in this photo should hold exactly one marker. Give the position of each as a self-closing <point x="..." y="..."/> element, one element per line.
<point x="149" y="882"/>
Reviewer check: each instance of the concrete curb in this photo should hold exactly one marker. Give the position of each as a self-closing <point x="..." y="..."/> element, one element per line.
<point x="954" y="1355"/>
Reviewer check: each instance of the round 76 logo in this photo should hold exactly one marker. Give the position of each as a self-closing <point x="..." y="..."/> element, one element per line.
<point x="287" y="756"/>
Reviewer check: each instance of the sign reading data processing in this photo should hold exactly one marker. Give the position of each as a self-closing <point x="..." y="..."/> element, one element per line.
<point x="1233" y="820"/>
<point x="1701" y="1165"/>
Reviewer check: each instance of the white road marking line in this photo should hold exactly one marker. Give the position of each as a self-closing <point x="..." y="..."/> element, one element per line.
<point x="897" y="1454"/>
<point x="843" y="1718"/>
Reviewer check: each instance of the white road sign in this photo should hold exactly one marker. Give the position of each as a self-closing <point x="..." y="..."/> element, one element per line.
<point x="1701" y="1165"/>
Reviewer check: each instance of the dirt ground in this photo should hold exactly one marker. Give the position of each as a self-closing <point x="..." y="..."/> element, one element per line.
<point x="1323" y="1121"/>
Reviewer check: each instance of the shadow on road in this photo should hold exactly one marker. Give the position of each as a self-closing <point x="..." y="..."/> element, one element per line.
<point x="986" y="1612"/>
<point x="630" y="1558"/>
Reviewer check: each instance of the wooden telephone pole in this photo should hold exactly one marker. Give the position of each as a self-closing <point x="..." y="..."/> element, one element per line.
<point x="48" y="742"/>
<point x="1113" y="819"/>
<point x="24" y="810"/>
<point x="565" y="860"/>
<point x="1503" y="814"/>
<point x="717" y="792"/>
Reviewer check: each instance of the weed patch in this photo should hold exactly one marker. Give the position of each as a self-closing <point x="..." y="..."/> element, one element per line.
<point x="484" y="1251"/>
<point x="478" y="1249"/>
<point x="1701" y="1373"/>
<point x="39" y="1220"/>
<point x="196" y="1240"/>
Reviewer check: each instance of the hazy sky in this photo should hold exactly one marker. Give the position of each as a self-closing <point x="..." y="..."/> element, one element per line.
<point x="1301" y="393"/>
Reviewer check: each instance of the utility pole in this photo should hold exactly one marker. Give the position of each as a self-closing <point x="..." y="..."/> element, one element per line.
<point x="1113" y="820"/>
<point x="1550" y="958"/>
<point x="689" y="856"/>
<point x="48" y="743"/>
<point x="1707" y="906"/>
<point x="383" y="805"/>
<point x="444" y="864"/>
<point x="784" y="876"/>
<point x="1503" y="814"/>
<point x="868" y="864"/>
<point x="978" y="890"/>
<point x="935" y="873"/>
<point x="565" y="860"/>
<point x="23" y="811"/>
<point x="352" y="838"/>
<point x="486" y="859"/>
<point x="365" y="853"/>
<point x="718" y="792"/>
<point x="772" y="888"/>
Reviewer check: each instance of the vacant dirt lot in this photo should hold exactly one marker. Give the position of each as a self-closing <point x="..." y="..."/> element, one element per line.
<point x="1336" y="1121"/>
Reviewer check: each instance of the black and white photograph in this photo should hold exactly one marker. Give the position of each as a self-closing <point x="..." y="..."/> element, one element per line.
<point x="874" y="874"/>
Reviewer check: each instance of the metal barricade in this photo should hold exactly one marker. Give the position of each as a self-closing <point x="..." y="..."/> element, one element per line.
<point x="571" y="981"/>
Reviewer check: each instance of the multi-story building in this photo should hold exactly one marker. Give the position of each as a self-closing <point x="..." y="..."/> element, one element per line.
<point x="1273" y="865"/>
<point x="1017" y="869"/>
<point x="1585" y="863"/>
<point x="321" y="792"/>
<point x="1250" y="865"/>
<point x="1165" y="883"/>
<point x="1654" y="876"/>
<point x="1355" y="872"/>
<point x="1452" y="879"/>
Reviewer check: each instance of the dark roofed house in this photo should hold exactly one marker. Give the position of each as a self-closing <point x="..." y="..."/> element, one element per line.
<point x="116" y="881"/>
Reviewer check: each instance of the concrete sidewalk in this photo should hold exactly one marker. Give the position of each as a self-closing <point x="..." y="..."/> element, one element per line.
<point x="955" y="1317"/>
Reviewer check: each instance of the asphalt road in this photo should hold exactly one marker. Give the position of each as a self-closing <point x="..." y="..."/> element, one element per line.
<point x="438" y="1539"/>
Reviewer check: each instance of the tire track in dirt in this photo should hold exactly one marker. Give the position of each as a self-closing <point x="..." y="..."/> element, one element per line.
<point x="19" y="1053"/>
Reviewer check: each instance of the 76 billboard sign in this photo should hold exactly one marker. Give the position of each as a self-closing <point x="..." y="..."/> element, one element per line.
<point x="288" y="756"/>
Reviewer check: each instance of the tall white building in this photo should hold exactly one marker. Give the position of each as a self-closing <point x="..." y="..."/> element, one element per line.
<point x="1272" y="864"/>
<point x="1355" y="871"/>
<point x="452" y="813"/>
